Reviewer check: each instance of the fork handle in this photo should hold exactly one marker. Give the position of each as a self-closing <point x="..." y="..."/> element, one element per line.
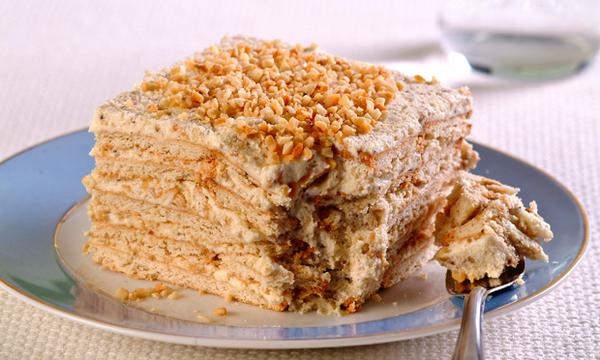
<point x="469" y="345"/>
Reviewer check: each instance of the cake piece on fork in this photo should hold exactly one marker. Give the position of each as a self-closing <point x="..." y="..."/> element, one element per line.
<point x="485" y="228"/>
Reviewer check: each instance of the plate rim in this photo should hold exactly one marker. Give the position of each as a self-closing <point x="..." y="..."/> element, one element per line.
<point x="298" y="343"/>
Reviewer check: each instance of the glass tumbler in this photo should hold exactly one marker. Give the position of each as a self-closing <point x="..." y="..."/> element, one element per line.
<point x="522" y="38"/>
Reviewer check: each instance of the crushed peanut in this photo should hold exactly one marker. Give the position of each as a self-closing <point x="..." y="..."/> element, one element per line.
<point x="122" y="294"/>
<point x="221" y="311"/>
<point x="421" y="80"/>
<point x="203" y="319"/>
<point x="159" y="291"/>
<point x="520" y="280"/>
<point x="377" y="298"/>
<point x="299" y="94"/>
<point x="423" y="275"/>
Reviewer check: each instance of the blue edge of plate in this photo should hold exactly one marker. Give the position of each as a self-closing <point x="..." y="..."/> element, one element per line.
<point x="38" y="185"/>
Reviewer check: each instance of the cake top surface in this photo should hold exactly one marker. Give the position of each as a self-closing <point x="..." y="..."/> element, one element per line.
<point x="305" y="99"/>
<point x="280" y="109"/>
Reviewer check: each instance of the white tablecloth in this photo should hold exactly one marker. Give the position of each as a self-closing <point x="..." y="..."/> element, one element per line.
<point x="59" y="60"/>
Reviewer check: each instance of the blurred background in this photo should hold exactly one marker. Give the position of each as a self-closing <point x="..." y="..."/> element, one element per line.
<point x="537" y="95"/>
<point x="64" y="58"/>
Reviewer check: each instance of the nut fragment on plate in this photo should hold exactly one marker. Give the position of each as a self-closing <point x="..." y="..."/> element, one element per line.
<point x="377" y="298"/>
<point x="159" y="291"/>
<point x="220" y="311"/>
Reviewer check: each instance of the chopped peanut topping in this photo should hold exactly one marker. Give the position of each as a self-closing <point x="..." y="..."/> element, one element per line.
<point x="299" y="94"/>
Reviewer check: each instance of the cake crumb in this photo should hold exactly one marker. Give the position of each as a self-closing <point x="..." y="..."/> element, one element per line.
<point x="229" y="298"/>
<point x="423" y="276"/>
<point x="153" y="310"/>
<point x="377" y="298"/>
<point x="220" y="311"/>
<point x="520" y="280"/>
<point x="201" y="292"/>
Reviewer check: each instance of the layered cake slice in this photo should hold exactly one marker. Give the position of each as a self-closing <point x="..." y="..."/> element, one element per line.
<point x="276" y="175"/>
<point x="485" y="228"/>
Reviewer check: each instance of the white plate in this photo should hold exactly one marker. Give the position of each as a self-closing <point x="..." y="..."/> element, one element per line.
<point x="39" y="185"/>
